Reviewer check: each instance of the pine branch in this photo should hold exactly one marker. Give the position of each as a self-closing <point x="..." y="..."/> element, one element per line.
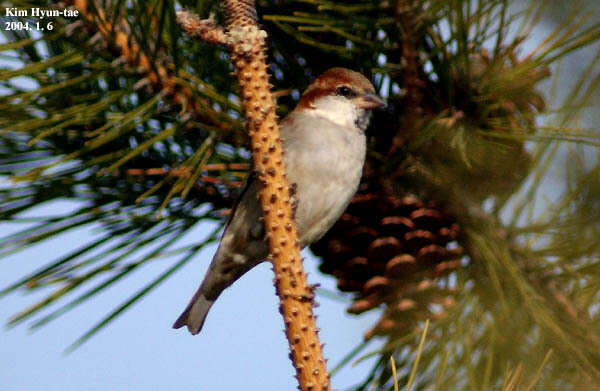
<point x="150" y="72"/>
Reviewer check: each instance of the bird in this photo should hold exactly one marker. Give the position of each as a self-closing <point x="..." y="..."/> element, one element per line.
<point x="324" y="147"/>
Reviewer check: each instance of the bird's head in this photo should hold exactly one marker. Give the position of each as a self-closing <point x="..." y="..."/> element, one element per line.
<point x="342" y="96"/>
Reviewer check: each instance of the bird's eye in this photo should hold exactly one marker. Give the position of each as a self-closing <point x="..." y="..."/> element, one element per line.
<point x="344" y="91"/>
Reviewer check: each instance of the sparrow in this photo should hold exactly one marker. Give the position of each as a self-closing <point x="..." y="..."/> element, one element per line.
<point x="324" y="146"/>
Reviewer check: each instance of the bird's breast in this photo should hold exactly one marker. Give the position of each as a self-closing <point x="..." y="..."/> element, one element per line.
<point x="325" y="162"/>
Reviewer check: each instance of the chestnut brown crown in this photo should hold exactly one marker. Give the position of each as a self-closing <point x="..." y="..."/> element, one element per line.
<point x="344" y="83"/>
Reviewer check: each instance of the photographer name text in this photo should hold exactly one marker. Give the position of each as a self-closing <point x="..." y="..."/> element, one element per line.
<point x="41" y="13"/>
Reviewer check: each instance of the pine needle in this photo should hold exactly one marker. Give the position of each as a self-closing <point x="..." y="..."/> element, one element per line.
<point x="413" y="371"/>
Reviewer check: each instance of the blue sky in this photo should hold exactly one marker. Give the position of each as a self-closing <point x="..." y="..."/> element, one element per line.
<point x="242" y="344"/>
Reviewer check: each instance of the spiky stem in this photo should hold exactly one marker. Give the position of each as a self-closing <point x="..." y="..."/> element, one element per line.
<point x="247" y="45"/>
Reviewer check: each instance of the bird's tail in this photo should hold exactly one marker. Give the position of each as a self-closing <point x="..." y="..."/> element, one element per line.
<point x="195" y="313"/>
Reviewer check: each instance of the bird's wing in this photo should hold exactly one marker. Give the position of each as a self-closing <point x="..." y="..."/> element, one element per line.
<point x="250" y="178"/>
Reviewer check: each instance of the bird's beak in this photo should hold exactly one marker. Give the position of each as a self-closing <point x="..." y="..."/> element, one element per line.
<point x="369" y="102"/>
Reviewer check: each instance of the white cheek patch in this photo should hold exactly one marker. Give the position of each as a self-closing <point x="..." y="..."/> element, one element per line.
<point x="336" y="109"/>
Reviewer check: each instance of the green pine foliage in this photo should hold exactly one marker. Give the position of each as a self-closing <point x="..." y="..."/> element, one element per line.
<point x="141" y="127"/>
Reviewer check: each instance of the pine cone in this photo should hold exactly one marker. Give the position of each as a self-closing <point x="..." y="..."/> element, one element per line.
<point x="391" y="251"/>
